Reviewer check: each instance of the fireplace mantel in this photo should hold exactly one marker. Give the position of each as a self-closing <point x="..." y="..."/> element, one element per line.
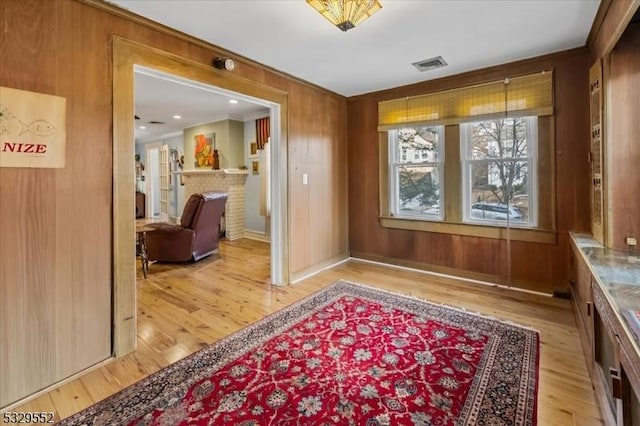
<point x="214" y="172"/>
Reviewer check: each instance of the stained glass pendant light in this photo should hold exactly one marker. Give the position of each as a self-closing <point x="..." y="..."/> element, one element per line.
<point x="346" y="14"/>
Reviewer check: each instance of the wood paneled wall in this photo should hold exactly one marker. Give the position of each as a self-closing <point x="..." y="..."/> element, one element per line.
<point x="623" y="144"/>
<point x="318" y="209"/>
<point x="55" y="225"/>
<point x="541" y="267"/>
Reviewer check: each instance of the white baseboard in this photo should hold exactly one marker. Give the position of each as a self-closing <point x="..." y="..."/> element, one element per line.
<point x="308" y="273"/>
<point x="257" y="235"/>
<point x="453" y="277"/>
<point x="57" y="384"/>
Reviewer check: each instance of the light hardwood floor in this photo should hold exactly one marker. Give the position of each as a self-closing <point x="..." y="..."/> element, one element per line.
<point x="186" y="307"/>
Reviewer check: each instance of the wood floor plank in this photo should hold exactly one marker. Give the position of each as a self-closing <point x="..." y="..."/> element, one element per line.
<point x="182" y="308"/>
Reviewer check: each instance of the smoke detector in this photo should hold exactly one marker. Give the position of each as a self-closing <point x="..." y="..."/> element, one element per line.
<point x="430" y="64"/>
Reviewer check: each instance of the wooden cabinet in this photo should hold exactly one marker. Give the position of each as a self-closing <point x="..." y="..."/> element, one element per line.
<point x="600" y="299"/>
<point x="630" y="396"/>
<point x="616" y="373"/>
<point x="582" y="299"/>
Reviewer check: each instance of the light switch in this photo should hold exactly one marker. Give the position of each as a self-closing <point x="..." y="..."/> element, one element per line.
<point x="305" y="179"/>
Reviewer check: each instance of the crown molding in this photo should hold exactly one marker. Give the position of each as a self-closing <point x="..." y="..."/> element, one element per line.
<point x="160" y="138"/>
<point x="256" y="115"/>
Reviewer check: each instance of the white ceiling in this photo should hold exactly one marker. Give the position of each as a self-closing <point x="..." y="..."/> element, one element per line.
<point x="158" y="97"/>
<point x="292" y="37"/>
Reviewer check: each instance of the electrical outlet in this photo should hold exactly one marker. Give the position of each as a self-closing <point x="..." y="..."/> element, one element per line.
<point x="305" y="179"/>
<point x="631" y="241"/>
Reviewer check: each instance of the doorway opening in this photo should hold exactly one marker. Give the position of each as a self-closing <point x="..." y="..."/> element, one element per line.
<point x="131" y="58"/>
<point x="178" y="122"/>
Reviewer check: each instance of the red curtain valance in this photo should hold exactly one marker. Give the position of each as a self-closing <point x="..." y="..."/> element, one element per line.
<point x="263" y="127"/>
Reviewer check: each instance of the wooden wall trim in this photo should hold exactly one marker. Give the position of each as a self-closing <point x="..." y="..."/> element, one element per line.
<point x="597" y="21"/>
<point x="124" y="273"/>
<point x="616" y="19"/>
<point x="541" y="236"/>
<point x="126" y="54"/>
<point x="156" y="26"/>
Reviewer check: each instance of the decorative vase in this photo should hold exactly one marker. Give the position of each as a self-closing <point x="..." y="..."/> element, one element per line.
<point x="216" y="160"/>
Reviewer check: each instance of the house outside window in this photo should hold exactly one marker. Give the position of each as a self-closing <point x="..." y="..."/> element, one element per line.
<point x="499" y="167"/>
<point x="416" y="159"/>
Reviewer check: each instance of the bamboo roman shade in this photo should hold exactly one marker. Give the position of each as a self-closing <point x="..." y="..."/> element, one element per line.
<point x="522" y="96"/>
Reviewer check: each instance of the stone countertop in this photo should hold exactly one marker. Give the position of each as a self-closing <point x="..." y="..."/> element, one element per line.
<point x="618" y="273"/>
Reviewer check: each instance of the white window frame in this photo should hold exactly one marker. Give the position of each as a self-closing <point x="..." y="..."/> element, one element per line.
<point x="395" y="163"/>
<point x="532" y="165"/>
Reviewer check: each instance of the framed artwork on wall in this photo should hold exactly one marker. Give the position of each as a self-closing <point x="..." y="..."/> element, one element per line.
<point x="33" y="129"/>
<point x="253" y="148"/>
<point x="205" y="146"/>
<point x="255" y="167"/>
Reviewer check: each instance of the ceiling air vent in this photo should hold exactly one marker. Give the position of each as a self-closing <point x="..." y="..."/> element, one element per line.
<point x="429" y="64"/>
<point x="156" y="122"/>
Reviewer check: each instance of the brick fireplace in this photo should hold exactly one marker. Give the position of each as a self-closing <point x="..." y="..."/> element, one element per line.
<point x="228" y="180"/>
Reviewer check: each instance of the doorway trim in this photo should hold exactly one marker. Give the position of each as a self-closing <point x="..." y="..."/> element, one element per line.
<point x="126" y="55"/>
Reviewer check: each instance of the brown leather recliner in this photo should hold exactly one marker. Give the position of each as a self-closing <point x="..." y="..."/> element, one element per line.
<point x="197" y="234"/>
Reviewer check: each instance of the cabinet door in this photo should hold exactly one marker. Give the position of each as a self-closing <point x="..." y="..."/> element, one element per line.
<point x="583" y="304"/>
<point x="631" y="406"/>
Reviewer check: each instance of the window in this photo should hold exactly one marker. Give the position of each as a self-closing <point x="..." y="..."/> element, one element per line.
<point x="499" y="171"/>
<point x="415" y="178"/>
<point x="471" y="160"/>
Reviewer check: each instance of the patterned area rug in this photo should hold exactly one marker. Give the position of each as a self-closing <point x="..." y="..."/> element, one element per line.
<point x="348" y="354"/>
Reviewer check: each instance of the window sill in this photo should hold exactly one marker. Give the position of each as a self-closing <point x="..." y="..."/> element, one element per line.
<point x="541" y="236"/>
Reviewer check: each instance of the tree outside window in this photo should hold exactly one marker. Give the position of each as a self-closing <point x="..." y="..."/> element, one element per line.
<point x="416" y="165"/>
<point x="499" y="163"/>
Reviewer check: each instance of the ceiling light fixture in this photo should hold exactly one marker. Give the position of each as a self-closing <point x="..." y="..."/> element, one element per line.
<point x="142" y="128"/>
<point x="346" y="14"/>
<point x="177" y="117"/>
<point x="233" y="101"/>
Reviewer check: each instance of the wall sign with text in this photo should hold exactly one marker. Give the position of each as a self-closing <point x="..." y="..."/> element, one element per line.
<point x="32" y="129"/>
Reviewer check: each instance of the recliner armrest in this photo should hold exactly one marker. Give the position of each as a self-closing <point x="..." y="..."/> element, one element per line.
<point x="165" y="227"/>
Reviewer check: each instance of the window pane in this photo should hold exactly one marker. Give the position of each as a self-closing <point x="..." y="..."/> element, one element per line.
<point x="418" y="145"/>
<point x="495" y="139"/>
<point x="419" y="191"/>
<point x="500" y="189"/>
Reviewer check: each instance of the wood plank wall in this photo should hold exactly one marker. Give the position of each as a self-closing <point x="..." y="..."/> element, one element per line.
<point x="624" y="141"/>
<point x="541" y="267"/>
<point x="55" y="225"/>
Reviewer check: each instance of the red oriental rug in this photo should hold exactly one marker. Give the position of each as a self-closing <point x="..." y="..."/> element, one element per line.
<point x="348" y="354"/>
